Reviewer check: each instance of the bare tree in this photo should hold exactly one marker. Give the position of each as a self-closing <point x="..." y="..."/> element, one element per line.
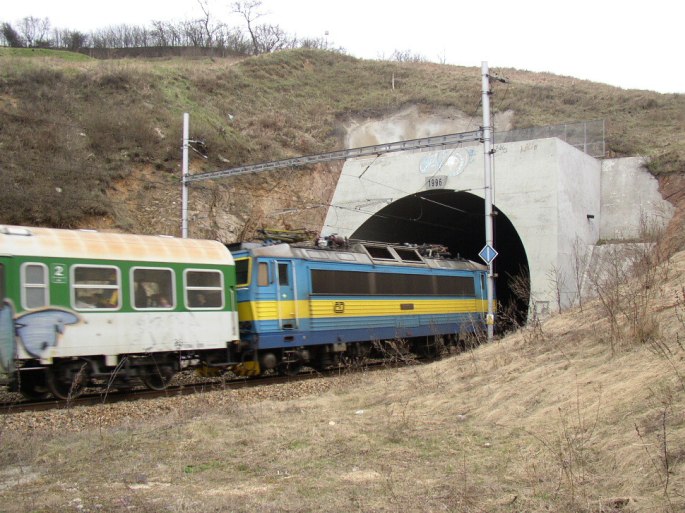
<point x="579" y="262"/>
<point x="34" y="31"/>
<point x="406" y="56"/>
<point x="211" y="30"/>
<point x="249" y="10"/>
<point x="193" y="33"/>
<point x="160" y="36"/>
<point x="71" y="39"/>
<point x="557" y="280"/>
<point x="271" y="38"/>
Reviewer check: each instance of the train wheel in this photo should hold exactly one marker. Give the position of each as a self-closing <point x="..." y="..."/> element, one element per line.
<point x="62" y="385"/>
<point x="435" y="347"/>
<point x="32" y="385"/>
<point x="289" y="368"/>
<point x="291" y="364"/>
<point x="158" y="378"/>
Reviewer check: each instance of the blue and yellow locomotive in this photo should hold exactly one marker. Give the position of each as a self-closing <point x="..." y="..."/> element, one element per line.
<point x="311" y="305"/>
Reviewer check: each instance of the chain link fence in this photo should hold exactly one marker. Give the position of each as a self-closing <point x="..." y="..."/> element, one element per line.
<point x="587" y="136"/>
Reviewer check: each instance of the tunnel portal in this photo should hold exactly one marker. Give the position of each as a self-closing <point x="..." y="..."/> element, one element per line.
<point x="456" y="220"/>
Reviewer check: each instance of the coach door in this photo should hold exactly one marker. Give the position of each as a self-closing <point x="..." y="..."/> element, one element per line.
<point x="285" y="291"/>
<point x="7" y="345"/>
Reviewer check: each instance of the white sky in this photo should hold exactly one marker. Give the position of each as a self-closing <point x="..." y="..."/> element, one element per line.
<point x="630" y="44"/>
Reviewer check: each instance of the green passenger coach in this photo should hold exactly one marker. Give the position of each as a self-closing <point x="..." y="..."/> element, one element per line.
<point x="84" y="307"/>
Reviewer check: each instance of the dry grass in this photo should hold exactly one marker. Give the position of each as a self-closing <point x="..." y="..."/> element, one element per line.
<point x="547" y="419"/>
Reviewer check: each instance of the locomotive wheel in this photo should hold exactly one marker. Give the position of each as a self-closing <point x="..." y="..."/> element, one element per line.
<point x="289" y="369"/>
<point x="432" y="347"/>
<point x="158" y="379"/>
<point x="290" y="364"/>
<point x="32" y="385"/>
<point x="61" y="388"/>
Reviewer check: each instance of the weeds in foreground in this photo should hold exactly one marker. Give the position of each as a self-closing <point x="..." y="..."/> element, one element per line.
<point x="662" y="348"/>
<point x="660" y="456"/>
<point x="571" y="450"/>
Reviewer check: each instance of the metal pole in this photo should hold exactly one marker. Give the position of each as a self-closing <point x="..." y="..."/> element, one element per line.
<point x="184" y="177"/>
<point x="487" y="155"/>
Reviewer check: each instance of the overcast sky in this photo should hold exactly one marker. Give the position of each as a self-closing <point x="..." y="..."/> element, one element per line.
<point x="629" y="44"/>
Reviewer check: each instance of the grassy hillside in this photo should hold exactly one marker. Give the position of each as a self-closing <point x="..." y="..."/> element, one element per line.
<point x="97" y="143"/>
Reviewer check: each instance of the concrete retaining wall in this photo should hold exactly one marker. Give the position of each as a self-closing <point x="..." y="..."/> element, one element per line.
<point x="561" y="201"/>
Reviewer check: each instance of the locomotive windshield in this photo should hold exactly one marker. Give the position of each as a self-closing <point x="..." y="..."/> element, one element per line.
<point x="242" y="272"/>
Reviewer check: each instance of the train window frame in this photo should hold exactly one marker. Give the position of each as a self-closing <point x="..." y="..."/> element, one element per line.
<point x="248" y="277"/>
<point x="379" y="253"/>
<point x="337" y="282"/>
<point x="202" y="290"/>
<point x="25" y="286"/>
<point x="171" y="287"/>
<point x="414" y="256"/>
<point x="75" y="287"/>
<point x="283" y="274"/>
<point x="263" y="279"/>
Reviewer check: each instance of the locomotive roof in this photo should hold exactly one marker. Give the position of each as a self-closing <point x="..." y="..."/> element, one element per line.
<point x="50" y="242"/>
<point x="359" y="253"/>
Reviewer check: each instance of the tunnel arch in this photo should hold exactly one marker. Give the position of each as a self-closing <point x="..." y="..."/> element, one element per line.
<point x="456" y="220"/>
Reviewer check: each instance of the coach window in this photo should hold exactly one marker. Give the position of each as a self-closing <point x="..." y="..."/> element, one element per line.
<point x="153" y="288"/>
<point x="95" y="287"/>
<point x="34" y="291"/>
<point x="263" y="274"/>
<point x="204" y="289"/>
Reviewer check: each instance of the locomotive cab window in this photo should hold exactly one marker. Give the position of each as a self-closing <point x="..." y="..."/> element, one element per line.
<point x="242" y="272"/>
<point x="153" y="288"/>
<point x="283" y="275"/>
<point x="34" y="290"/>
<point x="263" y="274"/>
<point x="95" y="287"/>
<point x="204" y="289"/>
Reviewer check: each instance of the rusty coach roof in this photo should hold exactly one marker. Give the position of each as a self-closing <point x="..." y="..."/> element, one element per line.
<point x="50" y="242"/>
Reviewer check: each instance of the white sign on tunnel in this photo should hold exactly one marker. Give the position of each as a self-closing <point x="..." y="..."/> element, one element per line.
<point x="436" y="182"/>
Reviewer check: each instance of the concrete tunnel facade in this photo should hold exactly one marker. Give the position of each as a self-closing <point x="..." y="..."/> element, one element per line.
<point x="546" y="195"/>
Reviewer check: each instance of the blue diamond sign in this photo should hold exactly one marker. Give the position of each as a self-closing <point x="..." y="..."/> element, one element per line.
<point x="488" y="254"/>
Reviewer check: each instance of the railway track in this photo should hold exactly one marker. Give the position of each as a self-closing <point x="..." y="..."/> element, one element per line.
<point x="98" y="397"/>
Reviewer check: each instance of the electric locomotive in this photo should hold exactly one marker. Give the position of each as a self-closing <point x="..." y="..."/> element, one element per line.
<point x="305" y="304"/>
<point x="82" y="307"/>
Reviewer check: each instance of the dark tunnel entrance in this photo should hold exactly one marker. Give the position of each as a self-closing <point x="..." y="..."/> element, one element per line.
<point x="456" y="220"/>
